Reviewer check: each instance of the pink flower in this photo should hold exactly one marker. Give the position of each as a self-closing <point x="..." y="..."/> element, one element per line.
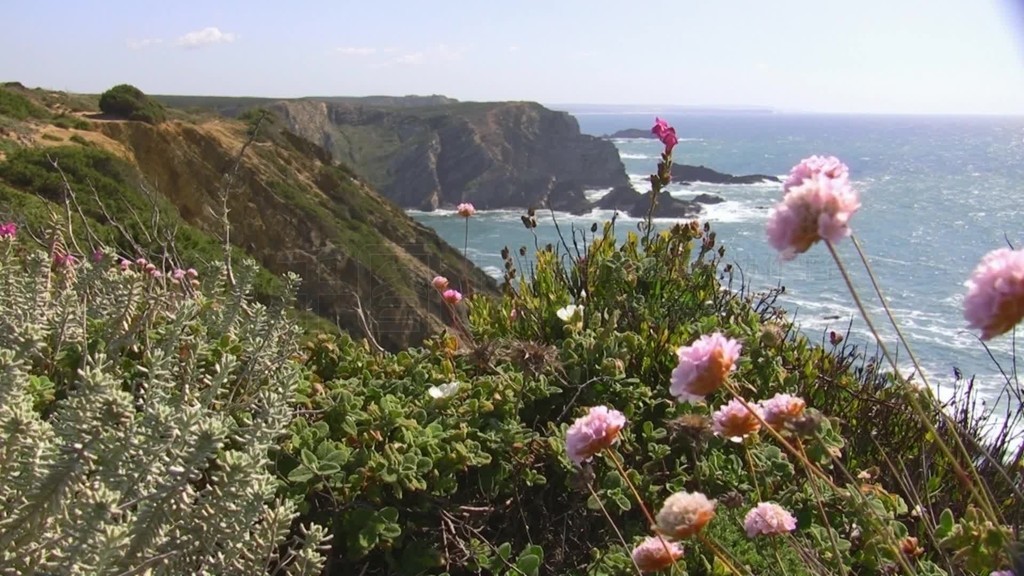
<point x="64" y="260"/>
<point x="440" y="283"/>
<point x="8" y="230"/>
<point x="142" y="262"/>
<point x="782" y="408"/>
<point x="98" y="255"/>
<point x="452" y="297"/>
<point x="768" y="519"/>
<point x="178" y="274"/>
<point x="654" y="554"/>
<point x="995" y="293"/>
<point x="735" y="421"/>
<point x="191" y="273"/>
<point x="465" y="209"/>
<point x="818" y="209"/>
<point x="684" y="514"/>
<point x="125" y="264"/>
<point x="811" y="168"/>
<point x="1002" y="573"/>
<point x="703" y="367"/>
<point x="155" y="273"/>
<point x="665" y="133"/>
<point x="593" y="432"/>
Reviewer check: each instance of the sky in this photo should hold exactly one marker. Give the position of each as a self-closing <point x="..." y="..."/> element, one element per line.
<point x="872" y="56"/>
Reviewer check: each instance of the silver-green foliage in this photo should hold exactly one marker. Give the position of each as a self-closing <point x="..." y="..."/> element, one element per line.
<point x="138" y="419"/>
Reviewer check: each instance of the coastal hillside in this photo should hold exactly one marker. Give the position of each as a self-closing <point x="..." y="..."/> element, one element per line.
<point x="291" y="207"/>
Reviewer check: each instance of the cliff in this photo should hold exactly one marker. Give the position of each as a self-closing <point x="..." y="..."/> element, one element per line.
<point x="495" y="155"/>
<point x="291" y="207"/>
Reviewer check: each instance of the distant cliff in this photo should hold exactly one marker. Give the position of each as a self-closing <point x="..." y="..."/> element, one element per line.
<point x="495" y="155"/>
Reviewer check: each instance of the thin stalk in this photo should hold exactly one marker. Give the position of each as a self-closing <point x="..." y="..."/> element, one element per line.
<point x="778" y="557"/>
<point x="640" y="501"/>
<point x="920" y="371"/>
<point x="750" y="468"/>
<point x="629" y="552"/>
<point x="824" y="517"/>
<point x="720" y="554"/>
<point x="983" y="502"/>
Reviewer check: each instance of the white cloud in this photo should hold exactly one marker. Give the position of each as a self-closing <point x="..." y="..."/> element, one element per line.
<point x="412" y="58"/>
<point x="144" y="43"/>
<point x="356" y="51"/>
<point x="209" y="35"/>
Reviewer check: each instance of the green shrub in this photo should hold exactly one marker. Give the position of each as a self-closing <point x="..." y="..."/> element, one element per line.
<point x="19" y="107"/>
<point x="127" y="101"/>
<point x="69" y="122"/>
<point x="139" y="420"/>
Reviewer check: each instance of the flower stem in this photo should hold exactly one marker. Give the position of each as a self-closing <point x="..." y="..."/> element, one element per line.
<point x="640" y="501"/>
<point x="824" y="517"/>
<point x="778" y="557"/>
<point x="608" y="517"/>
<point x="925" y="420"/>
<point x="720" y="554"/>
<point x="750" y="468"/>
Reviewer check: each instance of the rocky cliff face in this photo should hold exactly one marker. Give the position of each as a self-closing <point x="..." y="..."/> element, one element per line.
<point x="495" y="155"/>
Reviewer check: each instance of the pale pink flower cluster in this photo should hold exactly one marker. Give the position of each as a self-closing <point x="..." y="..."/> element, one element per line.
<point x="1002" y="573"/>
<point x="146" y="267"/>
<point x="703" y="367"/>
<point x="654" y="554"/>
<point x="64" y="260"/>
<point x="736" y="421"/>
<point x="665" y="133"/>
<point x="452" y="296"/>
<point x="8" y="230"/>
<point x="768" y="519"/>
<point x="781" y="409"/>
<point x="465" y="209"/>
<point x="589" y="434"/>
<point x="440" y="283"/>
<point x="684" y="514"/>
<point x="818" y="204"/>
<point x="995" y="293"/>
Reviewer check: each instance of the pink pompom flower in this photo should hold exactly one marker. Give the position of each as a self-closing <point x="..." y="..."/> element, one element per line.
<point x="8" y="230"/>
<point x="768" y="519"/>
<point x="654" y="554"/>
<point x="440" y="283"/>
<point x="735" y="421"/>
<point x="703" y="367"/>
<point x="191" y="273"/>
<point x="589" y="434"/>
<point x="465" y="209"/>
<point x="452" y="297"/>
<point x="995" y="293"/>
<point x="817" y="209"/>
<point x="813" y="167"/>
<point x="665" y="133"/>
<point x="178" y="274"/>
<point x="782" y="408"/>
<point x="64" y="260"/>
<point x="684" y="514"/>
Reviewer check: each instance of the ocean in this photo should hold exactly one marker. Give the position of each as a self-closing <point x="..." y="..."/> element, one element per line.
<point x="937" y="193"/>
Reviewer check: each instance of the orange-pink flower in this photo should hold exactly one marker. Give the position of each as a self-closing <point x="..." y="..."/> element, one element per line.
<point x="995" y="293"/>
<point x="703" y="367"/>
<point x="654" y="554"/>
<point x="589" y="434"/>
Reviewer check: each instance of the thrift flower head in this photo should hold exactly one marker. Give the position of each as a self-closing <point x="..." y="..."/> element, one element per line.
<point x="684" y="514"/>
<point x="651" y="555"/>
<point x="593" y="432"/>
<point x="452" y="297"/>
<point x="8" y="230"/>
<point x="178" y="274"/>
<point x="665" y="133"/>
<point x="813" y="167"/>
<point x="782" y="408"/>
<point x="703" y="367"/>
<point x="1003" y="573"/>
<point x="995" y="293"/>
<point x="98" y="255"/>
<point x="440" y="283"/>
<point x="191" y="273"/>
<point x="64" y="260"/>
<point x="818" y="209"/>
<point x="465" y="209"/>
<point x="734" y="421"/>
<point x="768" y="519"/>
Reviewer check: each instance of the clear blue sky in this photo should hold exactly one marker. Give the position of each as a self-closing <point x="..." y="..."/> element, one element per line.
<point x="899" y="56"/>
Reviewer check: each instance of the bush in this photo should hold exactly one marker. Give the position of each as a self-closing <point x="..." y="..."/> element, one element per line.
<point x="127" y="101"/>
<point x="19" y="107"/>
<point x="139" y="419"/>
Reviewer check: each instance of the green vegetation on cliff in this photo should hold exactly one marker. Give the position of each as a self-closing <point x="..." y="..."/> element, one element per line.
<point x="128" y="102"/>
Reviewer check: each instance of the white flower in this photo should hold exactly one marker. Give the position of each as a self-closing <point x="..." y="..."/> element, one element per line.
<point x="569" y="312"/>
<point x="444" y="390"/>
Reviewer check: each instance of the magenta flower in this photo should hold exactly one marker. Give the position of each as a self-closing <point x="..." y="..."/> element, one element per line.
<point x="654" y="554"/>
<point x="995" y="293"/>
<point x="665" y="133"/>
<point x="465" y="209"/>
<point x="818" y="209"/>
<point x="813" y="167"/>
<point x="703" y="367"/>
<point x="735" y="421"/>
<point x="452" y="297"/>
<point x="440" y="283"/>
<point x="768" y="519"/>
<point x="593" y="432"/>
<point x="98" y="255"/>
<point x="64" y="260"/>
<point x="1002" y="573"/>
<point x="8" y="230"/>
<point x="782" y="408"/>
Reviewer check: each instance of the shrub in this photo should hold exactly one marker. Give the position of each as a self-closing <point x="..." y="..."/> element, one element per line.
<point x="18" y="106"/>
<point x="127" y="101"/>
<point x="139" y="419"/>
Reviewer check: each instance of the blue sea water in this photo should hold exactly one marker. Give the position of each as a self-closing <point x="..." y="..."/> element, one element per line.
<point x="937" y="193"/>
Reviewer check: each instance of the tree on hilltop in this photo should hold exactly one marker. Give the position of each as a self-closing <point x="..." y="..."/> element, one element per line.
<point x="127" y="101"/>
